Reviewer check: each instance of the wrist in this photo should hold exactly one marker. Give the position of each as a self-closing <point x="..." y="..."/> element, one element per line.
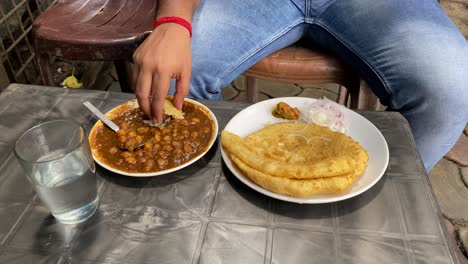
<point x="170" y="29"/>
<point x="173" y="20"/>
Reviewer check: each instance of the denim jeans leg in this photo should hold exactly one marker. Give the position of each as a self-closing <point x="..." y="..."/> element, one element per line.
<point x="231" y="36"/>
<point x="414" y="58"/>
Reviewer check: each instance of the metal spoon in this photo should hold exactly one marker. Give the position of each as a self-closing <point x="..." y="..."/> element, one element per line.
<point x="101" y="116"/>
<point x="116" y="128"/>
<point x="106" y="121"/>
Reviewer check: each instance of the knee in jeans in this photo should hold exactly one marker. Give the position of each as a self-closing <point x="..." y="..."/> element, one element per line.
<point x="203" y="84"/>
<point x="433" y="71"/>
<point x="440" y="86"/>
<point x="448" y="87"/>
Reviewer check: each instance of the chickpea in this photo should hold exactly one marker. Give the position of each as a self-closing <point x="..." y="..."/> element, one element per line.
<point x="188" y="148"/>
<point x="149" y="165"/>
<point x="167" y="148"/>
<point x="156" y="146"/>
<point x="139" y="153"/>
<point x="162" y="162"/>
<point x="178" y="151"/>
<point x="132" y="134"/>
<point x="167" y="138"/>
<point x="175" y="134"/>
<point x="113" y="150"/>
<point x="142" y="160"/>
<point x="176" y="144"/>
<point x="126" y="154"/>
<point x="184" y="122"/>
<point x="166" y="130"/>
<point x="157" y="136"/>
<point x="142" y="129"/>
<point x="122" y="132"/>
<point x="122" y="139"/>
<point x="139" y="139"/>
<point x="125" y="125"/>
<point x="148" y="146"/>
<point x="185" y="133"/>
<point x="149" y="154"/>
<point x="162" y="153"/>
<point x="194" y="134"/>
<point x="130" y="160"/>
<point x="195" y="120"/>
<point x="130" y="144"/>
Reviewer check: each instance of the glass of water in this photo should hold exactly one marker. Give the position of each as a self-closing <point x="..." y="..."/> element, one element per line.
<point x="57" y="160"/>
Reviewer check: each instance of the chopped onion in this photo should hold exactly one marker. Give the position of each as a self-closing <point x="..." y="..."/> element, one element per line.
<point x="325" y="112"/>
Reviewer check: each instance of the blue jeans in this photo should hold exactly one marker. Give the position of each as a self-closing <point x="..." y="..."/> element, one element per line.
<point x="411" y="54"/>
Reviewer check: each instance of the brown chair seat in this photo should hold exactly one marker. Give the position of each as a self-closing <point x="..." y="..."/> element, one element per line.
<point x="92" y="30"/>
<point x="298" y="64"/>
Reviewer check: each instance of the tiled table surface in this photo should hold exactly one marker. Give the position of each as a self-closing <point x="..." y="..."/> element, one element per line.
<point x="203" y="214"/>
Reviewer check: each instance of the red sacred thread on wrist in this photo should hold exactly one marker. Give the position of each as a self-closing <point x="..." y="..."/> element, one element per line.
<point x="173" y="19"/>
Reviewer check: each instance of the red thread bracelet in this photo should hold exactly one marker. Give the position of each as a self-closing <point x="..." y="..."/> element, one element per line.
<point x="173" y="19"/>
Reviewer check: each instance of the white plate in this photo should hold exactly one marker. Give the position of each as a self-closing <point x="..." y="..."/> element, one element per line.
<point x="134" y="104"/>
<point x="359" y="128"/>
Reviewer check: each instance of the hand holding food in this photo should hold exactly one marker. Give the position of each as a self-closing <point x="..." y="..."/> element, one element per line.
<point x="165" y="54"/>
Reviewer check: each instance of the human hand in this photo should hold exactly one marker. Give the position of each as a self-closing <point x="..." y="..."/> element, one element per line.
<point x="165" y="54"/>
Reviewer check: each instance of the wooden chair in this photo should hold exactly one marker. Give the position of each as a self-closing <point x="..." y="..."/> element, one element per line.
<point x="297" y="64"/>
<point x="98" y="30"/>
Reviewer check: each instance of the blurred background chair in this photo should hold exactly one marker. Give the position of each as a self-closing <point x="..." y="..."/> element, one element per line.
<point x="97" y="30"/>
<point x="297" y="64"/>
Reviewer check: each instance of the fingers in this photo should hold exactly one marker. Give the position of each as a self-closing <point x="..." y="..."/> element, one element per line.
<point x="182" y="90"/>
<point x="143" y="91"/>
<point x="164" y="54"/>
<point x="160" y="87"/>
<point x="135" y="72"/>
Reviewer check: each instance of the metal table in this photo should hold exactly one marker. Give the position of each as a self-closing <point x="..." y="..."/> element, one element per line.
<point x="203" y="214"/>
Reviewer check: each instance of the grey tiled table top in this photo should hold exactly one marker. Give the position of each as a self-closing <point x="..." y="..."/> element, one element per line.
<point x="203" y="214"/>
